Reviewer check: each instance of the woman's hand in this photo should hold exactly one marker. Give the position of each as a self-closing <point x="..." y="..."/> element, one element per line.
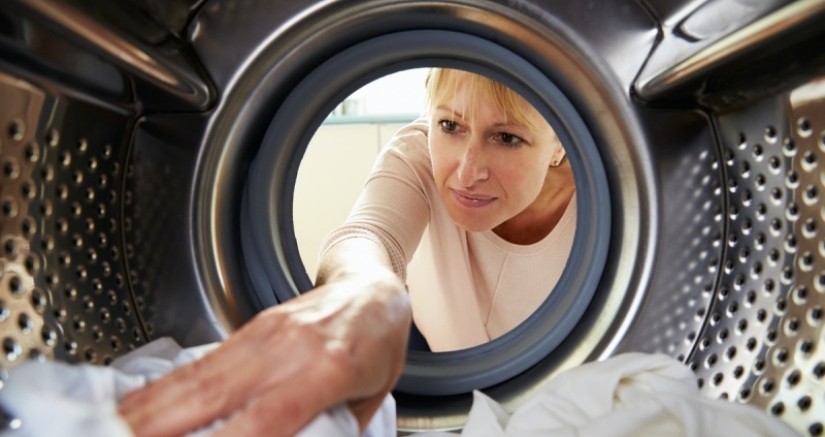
<point x="345" y="341"/>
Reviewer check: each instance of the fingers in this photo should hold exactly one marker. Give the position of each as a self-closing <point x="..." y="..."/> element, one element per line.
<point x="287" y="408"/>
<point x="196" y="394"/>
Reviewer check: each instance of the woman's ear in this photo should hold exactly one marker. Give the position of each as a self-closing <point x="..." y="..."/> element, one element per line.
<point x="558" y="156"/>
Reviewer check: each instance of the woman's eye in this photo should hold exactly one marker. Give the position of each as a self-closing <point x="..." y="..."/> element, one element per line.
<point x="509" y="139"/>
<point x="448" y="125"/>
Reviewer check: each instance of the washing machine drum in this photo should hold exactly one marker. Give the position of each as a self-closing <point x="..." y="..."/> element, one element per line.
<point x="150" y="152"/>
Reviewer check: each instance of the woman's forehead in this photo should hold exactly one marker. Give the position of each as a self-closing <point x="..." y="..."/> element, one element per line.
<point x="463" y="103"/>
<point x="465" y="94"/>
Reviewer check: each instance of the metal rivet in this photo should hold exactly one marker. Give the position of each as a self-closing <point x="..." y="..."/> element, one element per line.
<point x="794" y="377"/>
<point x="819" y="370"/>
<point x="70" y="346"/>
<point x="31" y="152"/>
<point x="70" y="291"/>
<point x="16" y="130"/>
<point x="750" y="299"/>
<point x="28" y="227"/>
<point x="53" y="138"/>
<point x="9" y="207"/>
<point x="777" y="409"/>
<point x="11" y="349"/>
<point x="105" y="315"/>
<point x="49" y="336"/>
<point x="767" y="386"/>
<point x="77" y="241"/>
<point x="770" y="134"/>
<point x="81" y="273"/>
<point x="16" y="286"/>
<point x="38" y="300"/>
<point x="781" y="356"/>
<point x="64" y="259"/>
<point x="77" y="177"/>
<point x="27" y="190"/>
<point x="90" y="355"/>
<point x="79" y="324"/>
<point x="788" y="147"/>
<point x="804" y="403"/>
<point x="65" y="158"/>
<point x="60" y="314"/>
<point x="803" y="127"/>
<point x="25" y="323"/>
<point x="88" y="303"/>
<point x="11" y="169"/>
<point x="770" y="337"/>
<point x="738" y="372"/>
<point x="62" y="192"/>
<point x="815" y="315"/>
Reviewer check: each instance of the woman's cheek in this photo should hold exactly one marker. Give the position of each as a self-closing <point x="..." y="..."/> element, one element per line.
<point x="440" y="173"/>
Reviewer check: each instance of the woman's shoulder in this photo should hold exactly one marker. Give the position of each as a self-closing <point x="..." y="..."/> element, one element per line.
<point x="411" y="138"/>
<point x="409" y="145"/>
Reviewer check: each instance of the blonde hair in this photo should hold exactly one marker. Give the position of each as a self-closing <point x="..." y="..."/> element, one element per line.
<point x="441" y="81"/>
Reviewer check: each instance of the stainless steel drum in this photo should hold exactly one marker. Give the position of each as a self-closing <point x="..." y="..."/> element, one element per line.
<point x="128" y="128"/>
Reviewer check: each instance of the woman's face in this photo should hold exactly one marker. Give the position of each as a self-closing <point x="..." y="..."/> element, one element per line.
<point x="487" y="169"/>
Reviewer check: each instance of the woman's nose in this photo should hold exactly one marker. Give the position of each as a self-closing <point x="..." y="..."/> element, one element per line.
<point x="473" y="166"/>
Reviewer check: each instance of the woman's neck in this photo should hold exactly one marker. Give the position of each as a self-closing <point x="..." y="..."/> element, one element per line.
<point x="541" y="217"/>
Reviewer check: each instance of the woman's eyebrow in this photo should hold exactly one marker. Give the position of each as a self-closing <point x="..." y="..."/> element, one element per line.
<point x="451" y="110"/>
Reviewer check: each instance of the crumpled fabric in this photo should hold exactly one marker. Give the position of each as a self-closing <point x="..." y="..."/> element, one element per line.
<point x="58" y="399"/>
<point x="628" y="395"/>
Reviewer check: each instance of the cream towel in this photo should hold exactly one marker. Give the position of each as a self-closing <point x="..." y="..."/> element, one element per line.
<point x="60" y="399"/>
<point x="629" y="395"/>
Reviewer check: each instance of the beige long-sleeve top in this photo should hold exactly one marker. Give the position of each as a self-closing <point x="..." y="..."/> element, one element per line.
<point x="466" y="288"/>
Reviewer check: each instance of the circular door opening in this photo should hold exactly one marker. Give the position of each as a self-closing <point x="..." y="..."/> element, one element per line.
<point x="267" y="218"/>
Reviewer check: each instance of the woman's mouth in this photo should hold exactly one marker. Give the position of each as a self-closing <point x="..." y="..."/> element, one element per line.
<point x="472" y="200"/>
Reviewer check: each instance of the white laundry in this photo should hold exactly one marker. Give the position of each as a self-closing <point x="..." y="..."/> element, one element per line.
<point x="629" y="395"/>
<point x="59" y="399"/>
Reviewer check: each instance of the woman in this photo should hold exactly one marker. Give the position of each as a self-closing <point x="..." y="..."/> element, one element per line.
<point x="485" y="164"/>
<point x="486" y="175"/>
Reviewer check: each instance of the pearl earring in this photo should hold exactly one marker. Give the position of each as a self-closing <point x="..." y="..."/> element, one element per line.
<point x="558" y="162"/>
